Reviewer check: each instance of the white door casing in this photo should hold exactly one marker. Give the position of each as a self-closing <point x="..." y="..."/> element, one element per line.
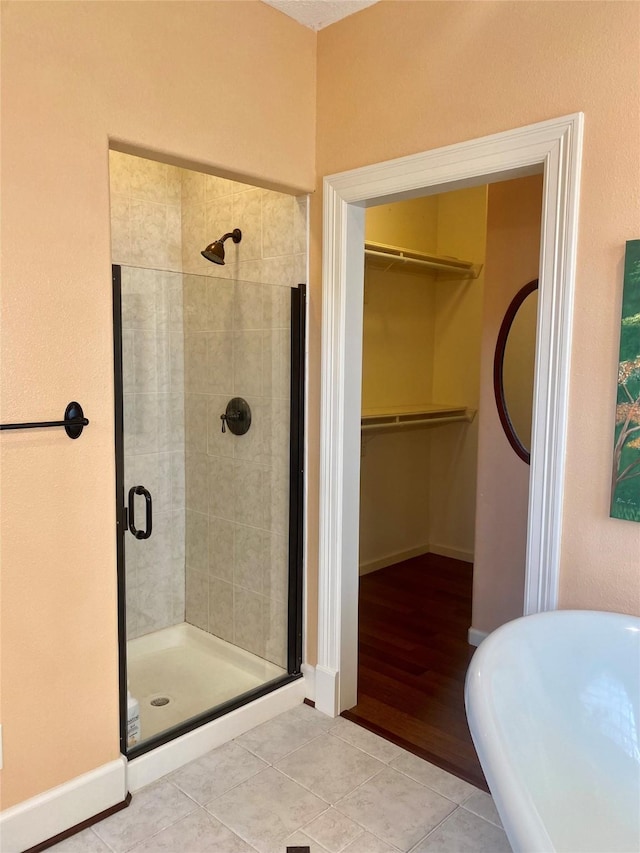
<point x="553" y="147"/>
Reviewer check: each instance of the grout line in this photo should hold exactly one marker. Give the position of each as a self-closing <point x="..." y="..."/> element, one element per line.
<point x="367" y="828"/>
<point x="468" y="797"/>
<point x="433" y="829"/>
<point x="291" y="751"/>
<point x="434" y="790"/>
<point x="162" y="829"/>
<point x="102" y="841"/>
<point x="371" y="831"/>
<point x="232" y="788"/>
<point x="362" y="749"/>
<point x="167" y="778"/>
<point x="408" y="776"/>
<point x="203" y="806"/>
<point x="155" y="834"/>
<point x="315" y="793"/>
<point x="482" y="817"/>
<point x="231" y="829"/>
<point x="303" y="828"/>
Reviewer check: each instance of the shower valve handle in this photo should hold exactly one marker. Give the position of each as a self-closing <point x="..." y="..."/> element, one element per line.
<point x="237" y="416"/>
<point x="231" y="416"/>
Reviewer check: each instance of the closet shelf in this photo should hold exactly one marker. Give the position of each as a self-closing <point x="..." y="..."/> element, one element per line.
<point x="429" y="415"/>
<point x="393" y="257"/>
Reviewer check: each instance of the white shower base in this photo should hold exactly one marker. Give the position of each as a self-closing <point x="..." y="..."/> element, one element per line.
<point x="193" y="669"/>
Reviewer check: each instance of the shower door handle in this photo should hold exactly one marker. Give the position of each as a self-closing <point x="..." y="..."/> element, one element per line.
<point x="140" y="490"/>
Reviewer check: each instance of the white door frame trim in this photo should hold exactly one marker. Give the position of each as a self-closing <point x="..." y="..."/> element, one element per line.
<point x="553" y="147"/>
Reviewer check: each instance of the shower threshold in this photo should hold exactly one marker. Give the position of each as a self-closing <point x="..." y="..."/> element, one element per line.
<point x="193" y="670"/>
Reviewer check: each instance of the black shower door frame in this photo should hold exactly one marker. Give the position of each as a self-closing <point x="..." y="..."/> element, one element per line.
<point x="296" y="528"/>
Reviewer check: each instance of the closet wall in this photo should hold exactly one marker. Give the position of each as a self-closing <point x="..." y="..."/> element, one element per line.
<point x="398" y="351"/>
<point x="462" y="233"/>
<point x="421" y="343"/>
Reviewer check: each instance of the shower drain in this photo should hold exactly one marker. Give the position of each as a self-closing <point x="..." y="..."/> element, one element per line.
<point x="159" y="701"/>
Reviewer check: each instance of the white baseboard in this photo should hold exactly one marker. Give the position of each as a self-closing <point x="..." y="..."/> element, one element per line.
<point x="170" y="756"/>
<point x="41" y="817"/>
<point x="454" y="553"/>
<point x="48" y="814"/>
<point x="392" y="559"/>
<point x="309" y="673"/>
<point x="327" y="691"/>
<point x="475" y="637"/>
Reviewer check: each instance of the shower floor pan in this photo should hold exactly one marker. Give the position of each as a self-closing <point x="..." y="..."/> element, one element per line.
<point x="194" y="670"/>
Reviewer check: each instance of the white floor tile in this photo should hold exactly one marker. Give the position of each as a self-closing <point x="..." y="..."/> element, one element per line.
<point x="301" y="839"/>
<point x="433" y="777"/>
<point x="199" y="832"/>
<point x="377" y="746"/>
<point x="278" y="737"/>
<point x="395" y="808"/>
<point x="465" y="832"/>
<point x="309" y="714"/>
<point x="386" y="800"/>
<point x="482" y="804"/>
<point x="152" y="809"/>
<point x="333" y="830"/>
<point x="84" y="842"/>
<point x="216" y="772"/>
<point x="266" y="809"/>
<point x="329" y="767"/>
<point x="367" y="843"/>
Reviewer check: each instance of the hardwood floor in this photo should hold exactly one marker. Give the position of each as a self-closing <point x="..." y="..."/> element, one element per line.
<point x="413" y="657"/>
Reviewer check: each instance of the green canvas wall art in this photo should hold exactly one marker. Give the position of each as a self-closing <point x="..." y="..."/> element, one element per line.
<point x="625" y="487"/>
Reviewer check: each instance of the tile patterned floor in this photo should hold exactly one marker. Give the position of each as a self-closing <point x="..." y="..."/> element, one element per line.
<point x="304" y="780"/>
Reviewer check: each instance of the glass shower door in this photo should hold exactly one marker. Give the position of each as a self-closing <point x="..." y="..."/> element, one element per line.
<point x="209" y="516"/>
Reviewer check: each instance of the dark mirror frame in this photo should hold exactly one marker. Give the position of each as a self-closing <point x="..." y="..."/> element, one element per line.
<point x="498" y="370"/>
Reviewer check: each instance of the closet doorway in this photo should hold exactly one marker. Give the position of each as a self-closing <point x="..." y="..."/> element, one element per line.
<point x="440" y="273"/>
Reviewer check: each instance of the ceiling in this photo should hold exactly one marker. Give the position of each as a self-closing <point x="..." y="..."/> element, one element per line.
<point x="317" y="14"/>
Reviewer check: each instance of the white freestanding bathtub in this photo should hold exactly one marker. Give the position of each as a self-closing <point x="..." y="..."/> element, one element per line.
<point x="553" y="703"/>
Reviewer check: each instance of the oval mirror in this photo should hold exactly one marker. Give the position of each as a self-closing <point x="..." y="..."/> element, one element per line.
<point x="513" y="368"/>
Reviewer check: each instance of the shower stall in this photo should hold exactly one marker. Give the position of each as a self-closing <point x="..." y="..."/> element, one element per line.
<point x="209" y="374"/>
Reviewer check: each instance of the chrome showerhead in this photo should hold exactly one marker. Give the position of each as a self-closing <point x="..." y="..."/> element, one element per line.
<point x="215" y="251"/>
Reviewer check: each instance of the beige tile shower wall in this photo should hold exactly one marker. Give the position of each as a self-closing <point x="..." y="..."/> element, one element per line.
<point x="145" y="212"/>
<point x="237" y="487"/>
<point x="273" y="249"/>
<point x="154" y="445"/>
<point x="237" y="343"/>
<point x="146" y="232"/>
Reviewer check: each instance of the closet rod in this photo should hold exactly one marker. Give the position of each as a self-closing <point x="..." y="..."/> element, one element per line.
<point x="457" y="267"/>
<point x="421" y="422"/>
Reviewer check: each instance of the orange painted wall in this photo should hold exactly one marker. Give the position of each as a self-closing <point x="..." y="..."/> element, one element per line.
<point x="226" y="87"/>
<point x="404" y="77"/>
<point x="397" y="78"/>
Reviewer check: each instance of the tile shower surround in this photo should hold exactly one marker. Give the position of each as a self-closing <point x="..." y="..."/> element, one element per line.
<point x="153" y="400"/>
<point x="237" y="343"/>
<point x="163" y="216"/>
<point x="274" y="230"/>
<point x="146" y="213"/>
